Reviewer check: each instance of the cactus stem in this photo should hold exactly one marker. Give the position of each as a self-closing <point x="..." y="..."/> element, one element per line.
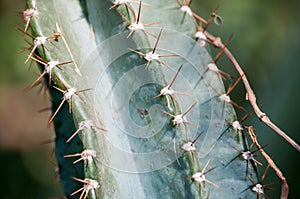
<point x="82" y="111"/>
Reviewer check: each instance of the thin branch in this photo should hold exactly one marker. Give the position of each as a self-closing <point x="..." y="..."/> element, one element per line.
<point x="284" y="186"/>
<point x="250" y="93"/>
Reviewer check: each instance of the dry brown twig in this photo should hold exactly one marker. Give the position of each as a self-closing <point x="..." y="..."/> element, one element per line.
<point x="216" y="41"/>
<point x="250" y="96"/>
<point x="284" y="186"/>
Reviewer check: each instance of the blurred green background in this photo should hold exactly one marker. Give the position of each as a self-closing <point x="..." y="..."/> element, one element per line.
<point x="265" y="42"/>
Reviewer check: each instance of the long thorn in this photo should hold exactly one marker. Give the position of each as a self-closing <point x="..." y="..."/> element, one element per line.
<point x="156" y="43"/>
<point x="196" y="138"/>
<point x="36" y="81"/>
<point x="139" y="12"/>
<point x="230" y="89"/>
<point x="73" y="135"/>
<point x="246" y="117"/>
<point x="175" y="76"/>
<point x="213" y="14"/>
<point x="167" y="113"/>
<point x="188" y="109"/>
<point x="203" y="170"/>
<point x="137" y="52"/>
<point x="265" y="173"/>
<point x="218" y="56"/>
<point x="52" y="117"/>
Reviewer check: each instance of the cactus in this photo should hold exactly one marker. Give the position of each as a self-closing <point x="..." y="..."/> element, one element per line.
<point x="142" y="108"/>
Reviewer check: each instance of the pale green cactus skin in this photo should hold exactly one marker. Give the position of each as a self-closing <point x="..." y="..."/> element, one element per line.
<point x="138" y="149"/>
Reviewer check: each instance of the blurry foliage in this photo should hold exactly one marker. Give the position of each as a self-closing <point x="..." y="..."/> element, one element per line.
<point x="265" y="42"/>
<point x="25" y="169"/>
